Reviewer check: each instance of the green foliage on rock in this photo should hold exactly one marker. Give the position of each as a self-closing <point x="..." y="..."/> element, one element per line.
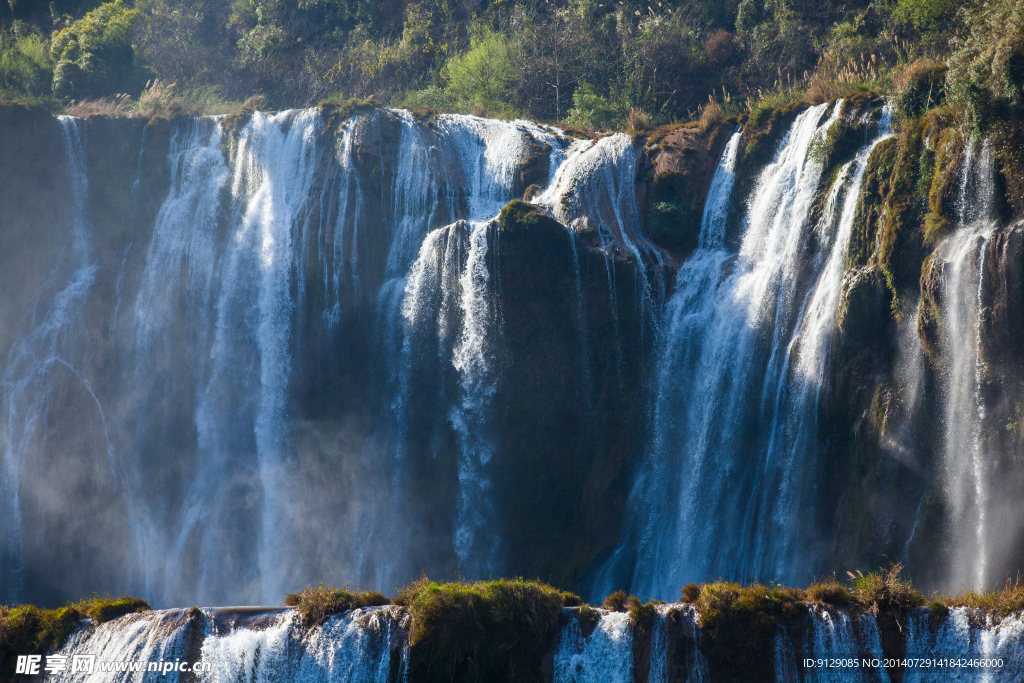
<point x="27" y="629"/>
<point x="488" y="630"/>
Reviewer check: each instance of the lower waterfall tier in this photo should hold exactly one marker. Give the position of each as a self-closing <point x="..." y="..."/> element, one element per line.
<point x="670" y="643"/>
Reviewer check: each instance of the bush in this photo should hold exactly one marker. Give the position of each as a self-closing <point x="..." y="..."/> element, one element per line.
<point x="482" y="76"/>
<point x="107" y="609"/>
<point x="571" y="599"/>
<point x="690" y="592"/>
<point x="317" y="604"/>
<point x="590" y="109"/>
<point x="986" y="70"/>
<point x="918" y="87"/>
<point x="94" y="56"/>
<point x="617" y="602"/>
<point x="740" y="623"/>
<point x="25" y="66"/>
<point x="887" y="590"/>
<point x="999" y="603"/>
<point x="641" y="614"/>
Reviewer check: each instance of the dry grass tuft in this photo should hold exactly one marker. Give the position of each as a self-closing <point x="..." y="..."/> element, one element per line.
<point x="119" y="105"/>
<point x="638" y="120"/>
<point x="711" y="115"/>
<point x="999" y="603"/>
<point x="830" y="592"/>
<point x="317" y="604"/>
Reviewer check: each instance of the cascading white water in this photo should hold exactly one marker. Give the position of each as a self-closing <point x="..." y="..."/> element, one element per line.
<point x="594" y="190"/>
<point x="274" y="169"/>
<point x="964" y="462"/>
<point x="360" y="646"/>
<point x="726" y="386"/>
<point x="179" y="274"/>
<point x="966" y="635"/>
<point x="835" y="634"/>
<point x="51" y="348"/>
<point x="716" y="206"/>
<point x="472" y="359"/>
<point x="136" y="639"/>
<point x="356" y="647"/>
<point x="605" y="656"/>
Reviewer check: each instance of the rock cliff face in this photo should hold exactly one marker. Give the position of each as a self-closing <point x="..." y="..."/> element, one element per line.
<point x="246" y="353"/>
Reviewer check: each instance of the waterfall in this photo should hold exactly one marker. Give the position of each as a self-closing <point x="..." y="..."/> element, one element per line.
<point x="48" y="355"/>
<point x="728" y="384"/>
<point x="163" y="636"/>
<point x="249" y="645"/>
<point x="961" y="258"/>
<point x="594" y="191"/>
<point x="179" y="275"/>
<point x="716" y="206"/>
<point x="605" y="656"/>
<point x="963" y="635"/>
<point x="356" y="647"/>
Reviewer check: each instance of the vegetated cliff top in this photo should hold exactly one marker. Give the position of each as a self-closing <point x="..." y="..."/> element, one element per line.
<point x="467" y="629"/>
<point x="602" y="65"/>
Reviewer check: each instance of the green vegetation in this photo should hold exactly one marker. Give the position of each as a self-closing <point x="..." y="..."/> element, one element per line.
<point x="488" y="630"/>
<point x="316" y="604"/>
<point x="586" y="63"/>
<point x="26" y="629"/>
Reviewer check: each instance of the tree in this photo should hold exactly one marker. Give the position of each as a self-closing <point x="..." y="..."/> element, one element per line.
<point x="94" y="56"/>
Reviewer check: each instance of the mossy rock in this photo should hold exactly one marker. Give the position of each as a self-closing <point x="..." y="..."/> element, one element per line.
<point x="765" y="127"/>
<point x="485" y="631"/>
<point x="864" y="308"/>
<point x="674" y="214"/>
<point x="519" y="217"/>
<point x="740" y="623"/>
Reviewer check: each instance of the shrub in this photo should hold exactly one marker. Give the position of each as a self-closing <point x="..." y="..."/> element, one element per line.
<point x="740" y="623"/>
<point x="27" y="629"/>
<point x="691" y="592"/>
<point x="571" y="599"/>
<point x="317" y="604"/>
<point x="887" y="590"/>
<point x="999" y="603"/>
<point x="590" y="109"/>
<point x="711" y="115"/>
<point x="918" y="87"/>
<point x="482" y="76"/>
<point x="94" y="56"/>
<point x="986" y="70"/>
<point x="25" y="65"/>
<point x="638" y="120"/>
<point x="641" y="614"/>
<point x="587" y="614"/>
<point x="617" y="602"/>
